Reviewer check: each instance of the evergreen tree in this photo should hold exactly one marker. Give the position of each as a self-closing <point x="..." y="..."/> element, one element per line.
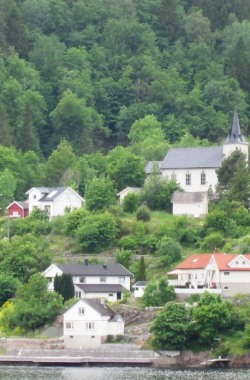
<point x="64" y="286"/>
<point x="141" y="274"/>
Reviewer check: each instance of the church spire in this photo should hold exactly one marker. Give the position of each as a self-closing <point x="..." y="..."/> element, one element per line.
<point x="235" y="136"/>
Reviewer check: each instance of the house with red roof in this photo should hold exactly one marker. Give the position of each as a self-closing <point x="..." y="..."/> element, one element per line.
<point x="225" y="274"/>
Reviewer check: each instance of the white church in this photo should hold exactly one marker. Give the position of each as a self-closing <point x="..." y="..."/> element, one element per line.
<point x="195" y="170"/>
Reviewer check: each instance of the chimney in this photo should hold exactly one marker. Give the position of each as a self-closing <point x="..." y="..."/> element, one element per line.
<point x="104" y="266"/>
<point x="86" y="261"/>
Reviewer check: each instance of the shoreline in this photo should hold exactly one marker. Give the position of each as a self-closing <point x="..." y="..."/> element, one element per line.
<point x="52" y="352"/>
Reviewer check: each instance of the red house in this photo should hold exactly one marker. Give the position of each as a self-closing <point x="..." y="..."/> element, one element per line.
<point x="18" y="209"/>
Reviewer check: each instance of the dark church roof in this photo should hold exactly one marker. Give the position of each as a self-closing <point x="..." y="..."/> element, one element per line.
<point x="235" y="136"/>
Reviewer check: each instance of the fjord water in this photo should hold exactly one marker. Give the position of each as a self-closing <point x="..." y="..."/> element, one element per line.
<point x="103" y="373"/>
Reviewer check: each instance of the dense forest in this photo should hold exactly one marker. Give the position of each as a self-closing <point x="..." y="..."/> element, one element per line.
<point x="85" y="70"/>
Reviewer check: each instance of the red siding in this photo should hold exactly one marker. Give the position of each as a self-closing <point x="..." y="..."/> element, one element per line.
<point x="15" y="208"/>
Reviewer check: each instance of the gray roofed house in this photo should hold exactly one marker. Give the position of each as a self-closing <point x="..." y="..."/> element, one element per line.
<point x="91" y="274"/>
<point x="139" y="288"/>
<point x="190" y="203"/>
<point x="55" y="200"/>
<point x="89" y="322"/>
<point x="18" y="209"/>
<point x="128" y="190"/>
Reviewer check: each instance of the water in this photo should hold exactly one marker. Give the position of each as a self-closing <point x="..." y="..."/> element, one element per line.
<point x="101" y="373"/>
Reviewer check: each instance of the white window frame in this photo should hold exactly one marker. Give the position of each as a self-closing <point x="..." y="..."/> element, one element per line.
<point x="78" y="294"/>
<point x="103" y="280"/>
<point x="82" y="280"/>
<point x="69" y="325"/>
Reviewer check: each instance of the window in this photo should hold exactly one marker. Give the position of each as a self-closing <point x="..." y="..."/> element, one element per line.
<point x="188" y="179"/>
<point x="78" y="294"/>
<point x="243" y="262"/>
<point x="226" y="273"/>
<point x="236" y="262"/>
<point x="111" y="295"/>
<point x="15" y="213"/>
<point x="47" y="208"/>
<point x="81" y="311"/>
<point x="121" y="280"/>
<point x="69" y="325"/>
<point x="82" y="280"/>
<point x="34" y="196"/>
<point x="203" y="178"/>
<point x="90" y="325"/>
<point x="103" y="280"/>
<point x="173" y="176"/>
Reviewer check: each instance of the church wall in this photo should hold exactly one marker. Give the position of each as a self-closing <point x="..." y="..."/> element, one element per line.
<point x="180" y="174"/>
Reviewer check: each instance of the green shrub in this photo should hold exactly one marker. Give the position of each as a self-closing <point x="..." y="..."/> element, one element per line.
<point x="130" y="203"/>
<point x="212" y="241"/>
<point x="143" y="213"/>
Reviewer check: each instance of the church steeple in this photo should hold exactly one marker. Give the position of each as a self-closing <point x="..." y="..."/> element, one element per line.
<point x="235" y="139"/>
<point x="235" y="136"/>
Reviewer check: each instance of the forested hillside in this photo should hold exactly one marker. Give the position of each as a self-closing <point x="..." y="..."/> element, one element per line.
<point x="86" y="70"/>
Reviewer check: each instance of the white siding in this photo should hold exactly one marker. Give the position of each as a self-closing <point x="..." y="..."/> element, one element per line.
<point x="211" y="178"/>
<point x="122" y="280"/>
<point x="191" y="209"/>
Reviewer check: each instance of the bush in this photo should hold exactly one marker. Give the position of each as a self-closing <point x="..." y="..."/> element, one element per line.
<point x="212" y="241"/>
<point x="97" y="231"/>
<point x="130" y="203"/>
<point x="168" y="250"/>
<point x="143" y="214"/>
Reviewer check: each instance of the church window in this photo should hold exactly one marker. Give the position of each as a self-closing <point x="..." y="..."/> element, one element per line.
<point x="173" y="176"/>
<point x="188" y="179"/>
<point x="203" y="178"/>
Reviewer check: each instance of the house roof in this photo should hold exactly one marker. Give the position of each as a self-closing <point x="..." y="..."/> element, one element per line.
<point x="132" y="189"/>
<point x="51" y="193"/>
<point x="197" y="261"/>
<point x="190" y="158"/>
<point x="100" y="288"/>
<point x="97" y="305"/>
<point x="235" y="136"/>
<point x="94" y="269"/>
<point x="200" y="261"/>
<point x="150" y="166"/>
<point x="100" y="307"/>
<point x="140" y="284"/>
<point x="22" y="204"/>
<point x="189" y="197"/>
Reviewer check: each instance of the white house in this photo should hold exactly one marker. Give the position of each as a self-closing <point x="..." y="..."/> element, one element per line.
<point x="92" y="274"/>
<point x="139" y="288"/>
<point x="55" y="200"/>
<point x="89" y="322"/>
<point x="190" y="203"/>
<point x="128" y="190"/>
<point x="226" y="274"/>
